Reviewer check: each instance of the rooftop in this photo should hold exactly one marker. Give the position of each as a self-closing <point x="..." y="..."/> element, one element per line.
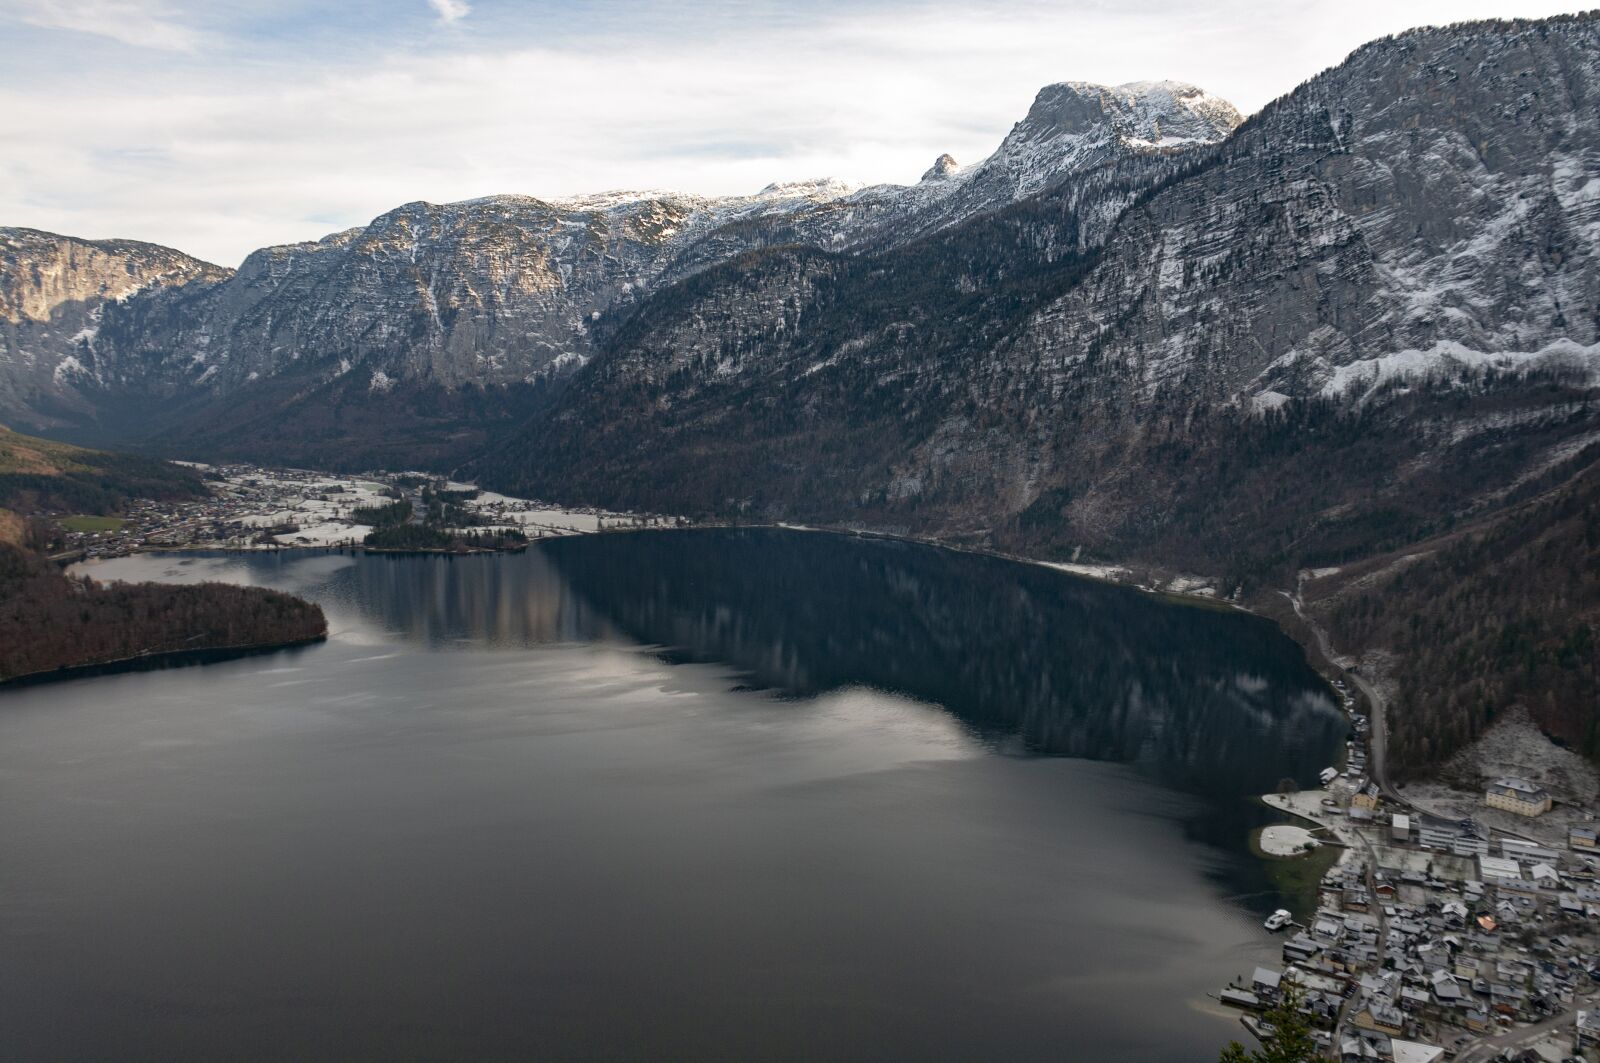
<point x="1520" y="787"/>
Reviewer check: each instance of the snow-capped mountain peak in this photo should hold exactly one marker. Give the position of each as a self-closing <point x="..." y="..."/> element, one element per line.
<point x="504" y="290"/>
<point x="943" y="169"/>
<point x="1075" y="125"/>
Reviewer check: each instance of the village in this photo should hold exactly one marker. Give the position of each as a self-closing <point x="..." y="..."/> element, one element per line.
<point x="1437" y="935"/>
<point x="256" y="508"/>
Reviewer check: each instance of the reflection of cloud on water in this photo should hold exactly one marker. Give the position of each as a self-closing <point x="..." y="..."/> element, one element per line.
<point x="1250" y="684"/>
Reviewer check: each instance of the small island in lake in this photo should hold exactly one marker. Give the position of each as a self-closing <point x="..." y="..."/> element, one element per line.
<point x="442" y="525"/>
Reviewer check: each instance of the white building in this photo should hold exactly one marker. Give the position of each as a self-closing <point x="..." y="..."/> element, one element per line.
<point x="1498" y="868"/>
<point x="1517" y="795"/>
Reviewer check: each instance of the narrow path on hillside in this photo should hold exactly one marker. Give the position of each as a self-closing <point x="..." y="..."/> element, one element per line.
<point x="1377" y="706"/>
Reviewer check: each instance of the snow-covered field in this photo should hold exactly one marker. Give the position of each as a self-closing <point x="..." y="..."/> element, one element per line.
<point x="328" y="533"/>
<point x="1286" y="839"/>
<point x="254" y="508"/>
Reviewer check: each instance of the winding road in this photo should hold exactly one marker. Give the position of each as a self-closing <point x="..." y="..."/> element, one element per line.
<point x="1377" y="706"/>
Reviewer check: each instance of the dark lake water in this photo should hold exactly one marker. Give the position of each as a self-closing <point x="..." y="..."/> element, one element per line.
<point x="681" y="795"/>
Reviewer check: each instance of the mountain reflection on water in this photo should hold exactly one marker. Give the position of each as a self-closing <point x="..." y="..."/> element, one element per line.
<point x="1209" y="700"/>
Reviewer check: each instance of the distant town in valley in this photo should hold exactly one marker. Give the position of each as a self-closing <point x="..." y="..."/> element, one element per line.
<point x="252" y="507"/>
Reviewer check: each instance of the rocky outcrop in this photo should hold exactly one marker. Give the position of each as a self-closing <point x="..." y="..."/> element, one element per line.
<point x="53" y="291"/>
<point x="40" y="272"/>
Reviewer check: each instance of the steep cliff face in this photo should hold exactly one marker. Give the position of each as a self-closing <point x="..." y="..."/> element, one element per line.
<point x="53" y="291"/>
<point x="1432" y="199"/>
<point x="39" y="272"/>
<point x="1422" y="211"/>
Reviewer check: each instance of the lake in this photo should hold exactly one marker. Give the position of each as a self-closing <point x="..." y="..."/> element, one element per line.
<point x="701" y="794"/>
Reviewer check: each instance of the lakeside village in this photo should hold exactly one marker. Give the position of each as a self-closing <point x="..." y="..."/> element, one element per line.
<point x="1438" y="935"/>
<point x="254" y="508"/>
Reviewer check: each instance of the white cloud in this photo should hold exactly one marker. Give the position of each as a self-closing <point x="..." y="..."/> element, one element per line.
<point x="450" y="10"/>
<point x="142" y="23"/>
<point x="219" y="160"/>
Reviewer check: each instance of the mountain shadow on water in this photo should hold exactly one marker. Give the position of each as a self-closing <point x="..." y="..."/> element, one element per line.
<point x="1210" y="700"/>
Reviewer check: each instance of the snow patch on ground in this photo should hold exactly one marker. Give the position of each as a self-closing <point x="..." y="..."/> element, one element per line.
<point x="1268" y="400"/>
<point x="1514" y="747"/>
<point x="327" y="533"/>
<point x="68" y="367"/>
<point x="1106" y="572"/>
<point x="1368" y="373"/>
<point x="1286" y="839"/>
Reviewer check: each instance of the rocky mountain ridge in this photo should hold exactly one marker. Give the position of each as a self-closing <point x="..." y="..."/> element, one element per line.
<point x="52" y="290"/>
<point x="510" y="291"/>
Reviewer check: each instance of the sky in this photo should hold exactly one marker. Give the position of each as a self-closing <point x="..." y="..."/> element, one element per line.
<point x="220" y="126"/>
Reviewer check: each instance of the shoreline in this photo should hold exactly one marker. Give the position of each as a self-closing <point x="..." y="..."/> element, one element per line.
<point x="155" y="662"/>
<point x="1096" y="573"/>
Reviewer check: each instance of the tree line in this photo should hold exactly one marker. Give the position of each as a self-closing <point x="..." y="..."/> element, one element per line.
<point x="51" y="621"/>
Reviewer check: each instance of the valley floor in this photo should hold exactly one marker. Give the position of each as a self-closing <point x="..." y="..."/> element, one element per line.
<point x="259" y="508"/>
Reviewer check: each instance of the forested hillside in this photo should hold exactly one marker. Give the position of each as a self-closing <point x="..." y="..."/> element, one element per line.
<point x="1498" y="614"/>
<point x="43" y="475"/>
<point x="50" y="622"/>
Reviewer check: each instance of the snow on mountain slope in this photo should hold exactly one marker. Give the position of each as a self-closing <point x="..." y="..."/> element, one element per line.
<point x="52" y="293"/>
<point x="1436" y="191"/>
<point x="509" y="290"/>
<point x="1425" y="209"/>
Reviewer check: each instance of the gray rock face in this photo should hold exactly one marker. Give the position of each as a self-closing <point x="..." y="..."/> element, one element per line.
<point x="53" y="290"/>
<point x="1072" y="129"/>
<point x="1092" y="124"/>
<point x="944" y="168"/>
<point x="489" y="292"/>
<point x="1431" y="201"/>
<point x="39" y="272"/>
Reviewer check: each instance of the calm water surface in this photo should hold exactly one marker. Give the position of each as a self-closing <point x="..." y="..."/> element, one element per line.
<point x="684" y="795"/>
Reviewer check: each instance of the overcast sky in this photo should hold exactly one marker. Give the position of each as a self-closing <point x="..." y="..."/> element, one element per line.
<point x="218" y="126"/>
